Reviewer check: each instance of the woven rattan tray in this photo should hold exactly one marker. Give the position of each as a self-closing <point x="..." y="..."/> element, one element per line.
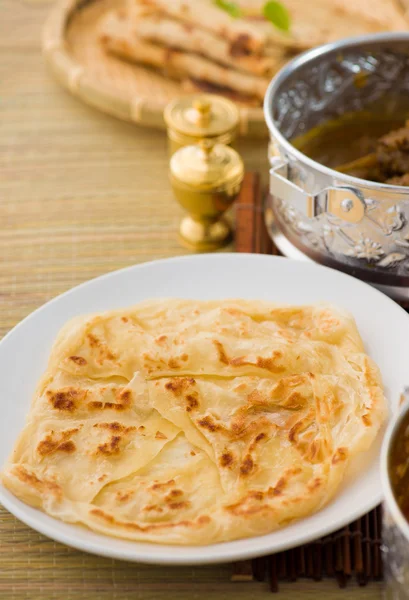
<point x="124" y="90"/>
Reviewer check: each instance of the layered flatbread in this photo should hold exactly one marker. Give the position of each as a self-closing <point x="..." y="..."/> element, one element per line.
<point x="206" y="48"/>
<point x="172" y="33"/>
<point x="192" y="422"/>
<point x="120" y="37"/>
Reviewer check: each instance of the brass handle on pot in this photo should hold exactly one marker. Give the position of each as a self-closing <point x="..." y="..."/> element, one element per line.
<point x="344" y="202"/>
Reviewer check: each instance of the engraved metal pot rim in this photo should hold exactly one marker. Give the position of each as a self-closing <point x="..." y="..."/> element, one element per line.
<point x="387" y="444"/>
<point x="304" y="59"/>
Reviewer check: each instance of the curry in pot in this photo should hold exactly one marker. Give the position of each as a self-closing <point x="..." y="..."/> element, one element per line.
<point x="367" y="145"/>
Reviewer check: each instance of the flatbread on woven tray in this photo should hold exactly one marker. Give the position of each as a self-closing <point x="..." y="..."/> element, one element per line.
<point x="190" y="422"/>
<point x="120" y="36"/>
<point x="206" y="49"/>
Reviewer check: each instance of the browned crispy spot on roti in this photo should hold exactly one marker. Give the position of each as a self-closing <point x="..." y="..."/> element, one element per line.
<point x="174" y="363"/>
<point x="123" y="496"/>
<point x="116" y="427"/>
<point x="57" y="443"/>
<point x="295" y="429"/>
<point x="226" y="459"/>
<point x="66" y="399"/>
<point x="240" y="46"/>
<point x="161" y="486"/>
<point x="366" y="419"/>
<point x="161" y="339"/>
<point x="124" y="397"/>
<point x="259" y="438"/>
<point x="110" y="448"/>
<point x="151" y="507"/>
<point x="160" y="436"/>
<point x="250" y="503"/>
<point x="178" y="385"/>
<point x="206" y="86"/>
<point x="179" y="505"/>
<point x="269" y="363"/>
<point x="204" y="519"/>
<point x="295" y="401"/>
<point x="242" y="428"/>
<point x="208" y="423"/>
<point x="192" y="402"/>
<point x="104" y="353"/>
<point x="256" y="495"/>
<point x="174" y="494"/>
<point x="79" y="360"/>
<point x="93" y="341"/>
<point x="291" y="381"/>
<point x="96" y="405"/>
<point x="68" y="447"/>
<point x="340" y="454"/>
<point x="113" y="446"/>
<point x="313" y="452"/>
<point x="221" y="352"/>
<point x="277" y="490"/>
<point x="247" y="466"/>
<point x="43" y="486"/>
<point x="315" y="483"/>
<point x="256" y="398"/>
<point x="124" y="319"/>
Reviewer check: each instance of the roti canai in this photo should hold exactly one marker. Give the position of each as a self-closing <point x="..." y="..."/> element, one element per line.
<point x="189" y="422"/>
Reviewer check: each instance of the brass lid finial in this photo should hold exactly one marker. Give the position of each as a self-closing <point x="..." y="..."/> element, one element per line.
<point x="202" y="111"/>
<point x="203" y="115"/>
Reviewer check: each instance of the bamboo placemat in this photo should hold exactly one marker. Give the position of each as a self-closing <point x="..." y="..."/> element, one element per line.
<point x="82" y="194"/>
<point x="353" y="551"/>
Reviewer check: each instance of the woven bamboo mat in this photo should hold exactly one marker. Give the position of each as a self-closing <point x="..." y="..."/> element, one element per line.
<point x="82" y="194"/>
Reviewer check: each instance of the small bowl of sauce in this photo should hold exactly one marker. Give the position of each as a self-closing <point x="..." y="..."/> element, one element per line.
<point x="395" y="483"/>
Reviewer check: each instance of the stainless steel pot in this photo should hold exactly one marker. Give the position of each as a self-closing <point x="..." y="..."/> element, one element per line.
<point x="354" y="225"/>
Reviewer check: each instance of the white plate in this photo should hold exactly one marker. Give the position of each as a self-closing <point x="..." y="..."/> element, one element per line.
<point x="384" y="327"/>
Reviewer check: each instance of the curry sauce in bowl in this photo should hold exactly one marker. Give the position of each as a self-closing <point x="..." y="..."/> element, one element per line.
<point x="395" y="484"/>
<point x="398" y="466"/>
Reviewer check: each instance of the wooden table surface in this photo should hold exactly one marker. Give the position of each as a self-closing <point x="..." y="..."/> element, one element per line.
<point x="82" y="194"/>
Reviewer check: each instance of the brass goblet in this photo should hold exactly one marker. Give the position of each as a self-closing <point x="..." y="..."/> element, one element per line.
<point x="206" y="179"/>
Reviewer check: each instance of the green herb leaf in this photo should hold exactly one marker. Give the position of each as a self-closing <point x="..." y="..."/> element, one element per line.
<point x="230" y="7"/>
<point x="278" y="15"/>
